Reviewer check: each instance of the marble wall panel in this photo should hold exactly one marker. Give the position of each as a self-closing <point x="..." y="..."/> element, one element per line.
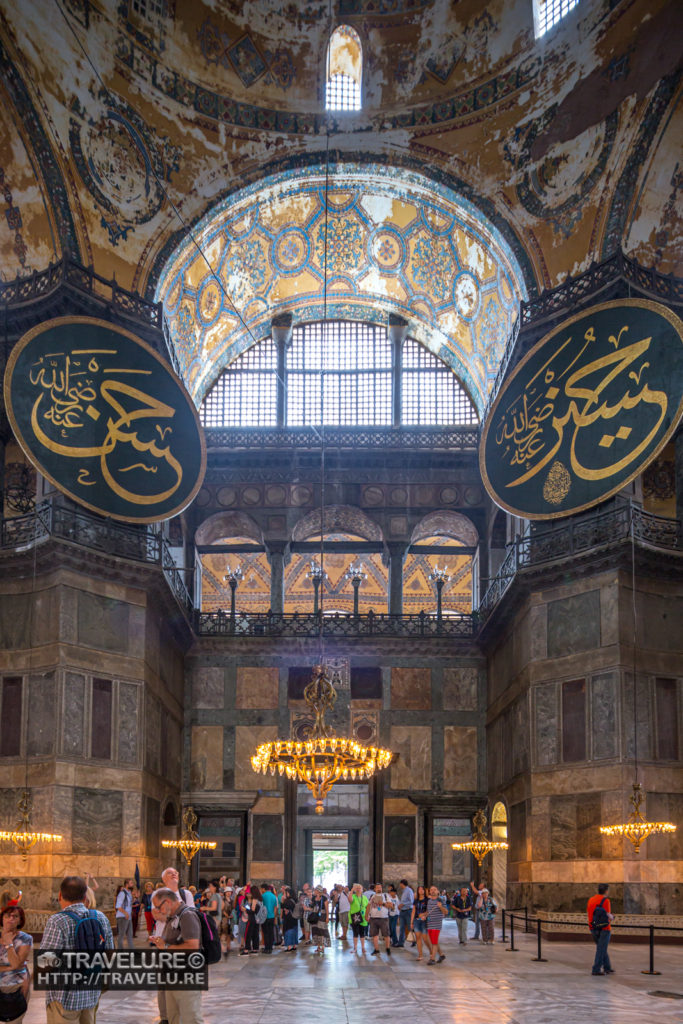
<point x="73" y="724"/>
<point x="206" y="768"/>
<point x="639" y="731"/>
<point x="609" y="615"/>
<point x="604" y="716"/>
<point x="546" y="711"/>
<point x="412" y="769"/>
<point x="208" y="687"/>
<point x="102" y="622"/>
<point x="399" y="839"/>
<point x="152" y="819"/>
<point x="8" y="808"/>
<point x="15" y="617"/>
<point x="97" y="822"/>
<point x="518" y="730"/>
<point x="45" y="627"/>
<point x="460" y="689"/>
<point x="257" y="687"/>
<point x="588" y="822"/>
<point x="152" y="733"/>
<point x="128" y="723"/>
<point x="132" y="832"/>
<point x="42" y="714"/>
<point x="574" y="624"/>
<point x="411" y="688"/>
<point x="563" y="828"/>
<point x="247" y="738"/>
<point x="460" y="758"/>
<point x="267" y="837"/>
<point x="659" y="618"/>
<point x="517" y="832"/>
<point x="538" y="627"/>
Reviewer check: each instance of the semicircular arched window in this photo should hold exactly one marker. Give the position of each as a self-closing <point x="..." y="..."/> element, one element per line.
<point x="342" y="373"/>
<point x="344" y="70"/>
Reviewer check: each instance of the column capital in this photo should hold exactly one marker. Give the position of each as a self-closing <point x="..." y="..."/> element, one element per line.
<point x="281" y="328"/>
<point x="397" y="328"/>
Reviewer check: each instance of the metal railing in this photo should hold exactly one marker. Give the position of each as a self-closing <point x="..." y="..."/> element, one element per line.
<point x="464" y="438"/>
<point x="512" y="916"/>
<point x="579" y="535"/>
<point x="308" y="625"/>
<point x="138" y="543"/>
<point x="68" y="271"/>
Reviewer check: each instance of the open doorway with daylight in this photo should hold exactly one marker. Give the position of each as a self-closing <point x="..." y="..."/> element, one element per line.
<point x="330" y="858"/>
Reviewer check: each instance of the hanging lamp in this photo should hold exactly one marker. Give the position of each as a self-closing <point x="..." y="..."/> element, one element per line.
<point x="189" y="843"/>
<point x="479" y="846"/>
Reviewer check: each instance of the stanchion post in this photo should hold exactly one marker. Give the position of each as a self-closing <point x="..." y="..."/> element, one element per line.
<point x="511" y="947"/>
<point x="652" y="953"/>
<point x="526" y="920"/>
<point x="502" y="938"/>
<point x="538" y="959"/>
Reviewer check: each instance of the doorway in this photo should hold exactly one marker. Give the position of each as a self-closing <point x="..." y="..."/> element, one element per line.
<point x="330" y="858"/>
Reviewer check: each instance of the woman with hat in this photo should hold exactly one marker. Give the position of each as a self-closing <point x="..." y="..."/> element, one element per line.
<point x="318" y="919"/>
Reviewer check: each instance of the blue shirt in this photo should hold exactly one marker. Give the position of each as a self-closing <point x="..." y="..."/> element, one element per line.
<point x="269" y="900"/>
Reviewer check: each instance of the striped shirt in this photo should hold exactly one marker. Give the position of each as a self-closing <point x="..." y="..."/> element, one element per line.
<point x="60" y="933"/>
<point x="434" y="915"/>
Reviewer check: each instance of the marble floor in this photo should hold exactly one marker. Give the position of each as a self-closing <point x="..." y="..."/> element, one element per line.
<point x="482" y="984"/>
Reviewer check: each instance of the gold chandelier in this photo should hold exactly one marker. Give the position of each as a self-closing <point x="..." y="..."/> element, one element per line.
<point x="189" y="843"/>
<point x="322" y="759"/>
<point x="23" y="838"/>
<point x="479" y="845"/>
<point x="637" y="829"/>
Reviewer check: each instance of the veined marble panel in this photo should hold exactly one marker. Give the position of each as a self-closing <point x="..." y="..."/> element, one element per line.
<point x="413" y="768"/>
<point x="411" y="688"/>
<point x="460" y="758"/>
<point x="247" y="738"/>
<point x="604" y="716"/>
<point x="460" y="687"/>
<point x="257" y="687"/>
<point x="547" y="724"/>
<point x="206" y="768"/>
<point x="208" y="687"/>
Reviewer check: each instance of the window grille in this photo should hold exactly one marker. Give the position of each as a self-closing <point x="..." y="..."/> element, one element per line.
<point x="430" y="392"/>
<point x="245" y="395"/>
<point x="150" y="10"/>
<point x="356" y="384"/>
<point x="344" y="70"/>
<point x="342" y="93"/>
<point x="549" y="12"/>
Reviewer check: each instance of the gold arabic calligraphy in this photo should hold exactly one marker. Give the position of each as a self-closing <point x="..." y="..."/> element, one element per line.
<point x="533" y="428"/>
<point x="71" y="386"/>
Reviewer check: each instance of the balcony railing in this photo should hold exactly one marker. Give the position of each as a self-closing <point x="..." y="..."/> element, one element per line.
<point x="453" y="439"/>
<point x="580" y="535"/>
<point x="138" y="543"/>
<point x="371" y="624"/>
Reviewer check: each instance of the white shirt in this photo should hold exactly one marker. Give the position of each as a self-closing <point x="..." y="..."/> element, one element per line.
<point x="344" y="903"/>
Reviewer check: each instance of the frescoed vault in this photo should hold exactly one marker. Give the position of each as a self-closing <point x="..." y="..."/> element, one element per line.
<point x="384" y="241"/>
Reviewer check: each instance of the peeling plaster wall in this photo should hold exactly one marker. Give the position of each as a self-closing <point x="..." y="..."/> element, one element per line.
<point x="553" y="139"/>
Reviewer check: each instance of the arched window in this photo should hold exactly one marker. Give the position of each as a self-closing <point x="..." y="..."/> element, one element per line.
<point x="344" y="70"/>
<point x="342" y="372"/>
<point x="253" y="590"/>
<point x="336" y="591"/>
<point x="547" y="13"/>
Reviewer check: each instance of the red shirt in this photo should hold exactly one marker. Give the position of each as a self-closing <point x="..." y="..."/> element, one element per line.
<point x="592" y="904"/>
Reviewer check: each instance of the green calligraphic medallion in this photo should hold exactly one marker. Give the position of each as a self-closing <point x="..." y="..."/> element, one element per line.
<point x="103" y="417"/>
<point x="585" y="411"/>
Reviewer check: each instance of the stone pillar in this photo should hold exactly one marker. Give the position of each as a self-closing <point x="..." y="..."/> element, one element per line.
<point x="281" y="333"/>
<point x="276" y="556"/>
<point x="398" y="328"/>
<point x="397" y="553"/>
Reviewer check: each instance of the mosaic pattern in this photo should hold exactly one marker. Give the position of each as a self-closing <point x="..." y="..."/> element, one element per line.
<point x="395" y="243"/>
<point x="221" y="107"/>
<point x="121" y="165"/>
<point x="14" y="221"/>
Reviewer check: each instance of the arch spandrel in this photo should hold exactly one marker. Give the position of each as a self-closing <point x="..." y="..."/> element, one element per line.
<point x="387" y="240"/>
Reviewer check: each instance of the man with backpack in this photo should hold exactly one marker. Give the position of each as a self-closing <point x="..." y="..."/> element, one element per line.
<point x="182" y="930"/>
<point x="171" y="879"/>
<point x="74" y="927"/>
<point x="600" y="919"/>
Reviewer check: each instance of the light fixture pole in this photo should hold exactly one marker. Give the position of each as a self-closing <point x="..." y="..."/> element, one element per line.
<point x="316" y="575"/>
<point x="232" y="578"/>
<point x="356" y="575"/>
<point x="440" y="577"/>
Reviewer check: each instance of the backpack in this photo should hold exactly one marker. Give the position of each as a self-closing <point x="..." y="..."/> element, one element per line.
<point x="210" y="943"/>
<point x="89" y="937"/>
<point x="261" y="913"/>
<point x="600" y="918"/>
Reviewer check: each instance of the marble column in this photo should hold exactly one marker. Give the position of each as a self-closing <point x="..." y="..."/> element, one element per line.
<point x="281" y="333"/>
<point x="397" y="553"/>
<point x="398" y="328"/>
<point x="276" y="556"/>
